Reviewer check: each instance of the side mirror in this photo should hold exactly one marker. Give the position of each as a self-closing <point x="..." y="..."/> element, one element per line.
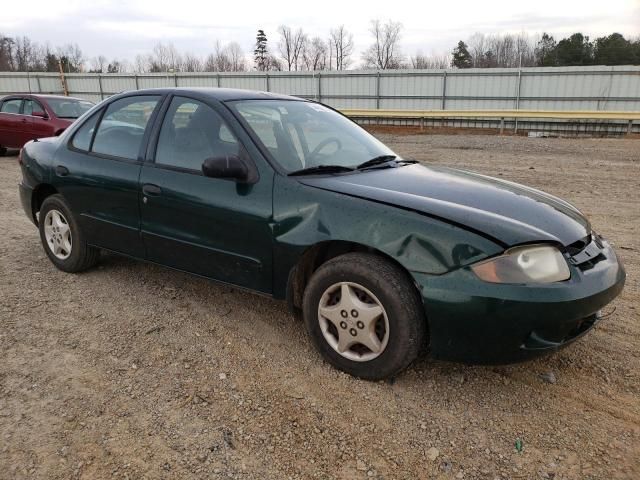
<point x="39" y="113"/>
<point x="228" y="166"/>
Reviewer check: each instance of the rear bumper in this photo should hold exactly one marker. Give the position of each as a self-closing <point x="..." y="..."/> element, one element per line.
<point x="477" y="322"/>
<point x="26" y="196"/>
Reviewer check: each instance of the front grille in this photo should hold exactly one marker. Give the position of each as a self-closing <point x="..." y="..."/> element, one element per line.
<point x="577" y="247"/>
<point x="586" y="252"/>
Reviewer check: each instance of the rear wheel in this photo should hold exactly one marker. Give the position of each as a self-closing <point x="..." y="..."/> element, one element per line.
<point x="63" y="241"/>
<point x="3" y="151"/>
<point x="364" y="315"/>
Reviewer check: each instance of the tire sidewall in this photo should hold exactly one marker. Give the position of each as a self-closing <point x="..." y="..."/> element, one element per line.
<point x="401" y="329"/>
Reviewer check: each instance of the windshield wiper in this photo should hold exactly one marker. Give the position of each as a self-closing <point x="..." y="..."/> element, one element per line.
<point x="384" y="160"/>
<point x="379" y="160"/>
<point x="321" y="169"/>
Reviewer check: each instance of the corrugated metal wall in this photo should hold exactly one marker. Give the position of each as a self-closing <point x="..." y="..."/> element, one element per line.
<point x="560" y="88"/>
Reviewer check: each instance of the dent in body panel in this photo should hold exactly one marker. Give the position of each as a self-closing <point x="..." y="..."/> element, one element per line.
<point x="305" y="216"/>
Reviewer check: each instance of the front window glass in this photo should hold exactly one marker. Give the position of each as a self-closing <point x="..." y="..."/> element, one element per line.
<point x="303" y="134"/>
<point x="122" y="127"/>
<point x="31" y="106"/>
<point x="191" y="133"/>
<point x="68" y="107"/>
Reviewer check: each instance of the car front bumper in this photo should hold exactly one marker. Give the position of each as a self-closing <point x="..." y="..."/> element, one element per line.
<point x="477" y="322"/>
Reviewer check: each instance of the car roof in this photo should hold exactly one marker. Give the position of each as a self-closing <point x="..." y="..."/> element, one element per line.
<point x="48" y="96"/>
<point x="221" y="94"/>
<point x="39" y="95"/>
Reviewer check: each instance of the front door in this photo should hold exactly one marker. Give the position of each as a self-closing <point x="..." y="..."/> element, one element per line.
<point x="98" y="173"/>
<point x="213" y="227"/>
<point x="39" y="126"/>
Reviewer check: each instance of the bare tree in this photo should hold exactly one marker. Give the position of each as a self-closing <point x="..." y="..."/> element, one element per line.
<point x="141" y="64"/>
<point x="384" y="53"/>
<point x="314" y="54"/>
<point x="236" y="57"/>
<point x="421" y="61"/>
<point x="226" y="58"/>
<point x="191" y="63"/>
<point x="98" y="64"/>
<point x="340" y="48"/>
<point x="71" y="57"/>
<point x="501" y="50"/>
<point x="290" y="46"/>
<point x="164" y="58"/>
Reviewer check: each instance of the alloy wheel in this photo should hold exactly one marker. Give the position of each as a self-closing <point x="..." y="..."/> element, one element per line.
<point x="353" y="321"/>
<point x="57" y="232"/>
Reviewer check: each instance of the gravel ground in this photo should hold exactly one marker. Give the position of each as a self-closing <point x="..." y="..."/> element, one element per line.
<point x="134" y="371"/>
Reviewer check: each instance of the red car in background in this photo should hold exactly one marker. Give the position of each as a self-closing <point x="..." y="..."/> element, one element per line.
<point x="27" y="117"/>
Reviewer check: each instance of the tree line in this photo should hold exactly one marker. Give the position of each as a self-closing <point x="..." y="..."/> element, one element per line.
<point x="487" y="51"/>
<point x="295" y="50"/>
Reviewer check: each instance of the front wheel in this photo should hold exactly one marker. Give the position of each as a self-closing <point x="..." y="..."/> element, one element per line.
<point x="63" y="241"/>
<point x="364" y="315"/>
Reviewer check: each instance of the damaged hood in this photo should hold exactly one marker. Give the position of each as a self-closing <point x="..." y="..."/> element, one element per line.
<point x="507" y="212"/>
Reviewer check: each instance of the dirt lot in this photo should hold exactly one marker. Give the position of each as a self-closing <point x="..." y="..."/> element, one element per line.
<point x="134" y="371"/>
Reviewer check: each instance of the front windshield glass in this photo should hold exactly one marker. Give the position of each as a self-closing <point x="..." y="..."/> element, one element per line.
<point x="303" y="134"/>
<point x="68" y="107"/>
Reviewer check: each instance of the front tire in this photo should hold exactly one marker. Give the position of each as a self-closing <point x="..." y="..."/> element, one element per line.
<point x="364" y="315"/>
<point x="63" y="241"/>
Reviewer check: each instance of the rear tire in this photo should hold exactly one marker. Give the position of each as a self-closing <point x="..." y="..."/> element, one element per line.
<point x="63" y="241"/>
<point x="3" y="151"/>
<point x="365" y="315"/>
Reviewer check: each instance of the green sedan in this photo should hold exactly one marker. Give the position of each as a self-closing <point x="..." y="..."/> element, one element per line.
<point x="382" y="257"/>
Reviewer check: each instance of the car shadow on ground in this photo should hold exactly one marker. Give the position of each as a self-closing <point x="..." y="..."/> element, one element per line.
<point x="273" y="312"/>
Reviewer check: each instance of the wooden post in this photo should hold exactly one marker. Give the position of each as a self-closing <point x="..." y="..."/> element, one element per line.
<point x="63" y="80"/>
<point x="100" y="86"/>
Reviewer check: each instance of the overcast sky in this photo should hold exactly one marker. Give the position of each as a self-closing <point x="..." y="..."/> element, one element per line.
<point x="122" y="29"/>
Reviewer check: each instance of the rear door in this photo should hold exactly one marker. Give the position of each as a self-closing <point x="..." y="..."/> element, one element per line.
<point x="209" y="226"/>
<point x="13" y="125"/>
<point x="98" y="172"/>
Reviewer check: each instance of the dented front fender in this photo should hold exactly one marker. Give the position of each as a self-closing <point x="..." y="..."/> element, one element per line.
<point x="305" y="216"/>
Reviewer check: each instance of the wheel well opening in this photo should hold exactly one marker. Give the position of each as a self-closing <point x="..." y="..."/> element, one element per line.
<point x="317" y="255"/>
<point x="40" y="193"/>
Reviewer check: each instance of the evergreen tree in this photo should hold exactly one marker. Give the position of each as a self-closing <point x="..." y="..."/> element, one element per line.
<point x="575" y="50"/>
<point x="614" y="50"/>
<point x="260" y="53"/>
<point x="461" y="56"/>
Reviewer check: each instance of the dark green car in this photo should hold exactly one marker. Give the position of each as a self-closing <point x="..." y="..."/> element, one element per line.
<point x="383" y="257"/>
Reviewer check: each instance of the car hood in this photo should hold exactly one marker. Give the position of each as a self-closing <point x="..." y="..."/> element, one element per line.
<point x="505" y="211"/>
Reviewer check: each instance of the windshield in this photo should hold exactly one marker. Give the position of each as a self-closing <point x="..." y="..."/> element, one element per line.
<point x="301" y="135"/>
<point x="68" y="107"/>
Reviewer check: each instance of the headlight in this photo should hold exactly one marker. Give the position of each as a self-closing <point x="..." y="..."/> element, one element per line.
<point x="526" y="264"/>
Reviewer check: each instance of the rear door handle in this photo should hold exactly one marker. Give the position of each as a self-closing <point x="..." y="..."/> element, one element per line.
<point x="151" y="190"/>
<point x="62" y="171"/>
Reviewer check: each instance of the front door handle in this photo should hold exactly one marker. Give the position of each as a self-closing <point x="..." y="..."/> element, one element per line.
<point x="151" y="190"/>
<point x="62" y="171"/>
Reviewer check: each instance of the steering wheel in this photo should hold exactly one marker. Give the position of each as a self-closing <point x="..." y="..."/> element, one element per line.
<point x="324" y="143"/>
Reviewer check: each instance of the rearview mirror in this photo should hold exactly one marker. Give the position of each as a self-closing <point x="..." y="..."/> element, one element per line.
<point x="228" y="166"/>
<point x="39" y="113"/>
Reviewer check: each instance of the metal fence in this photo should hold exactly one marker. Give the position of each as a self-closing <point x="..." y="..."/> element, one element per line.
<point x="557" y="88"/>
<point x="574" y="89"/>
